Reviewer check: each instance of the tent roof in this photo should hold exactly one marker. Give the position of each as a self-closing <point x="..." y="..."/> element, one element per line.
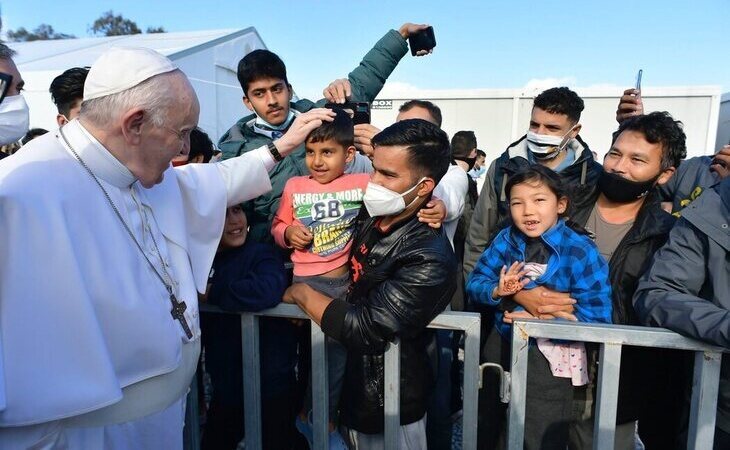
<point x="55" y="55"/>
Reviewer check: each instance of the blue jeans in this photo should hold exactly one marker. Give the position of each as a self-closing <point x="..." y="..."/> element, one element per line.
<point x="439" y="424"/>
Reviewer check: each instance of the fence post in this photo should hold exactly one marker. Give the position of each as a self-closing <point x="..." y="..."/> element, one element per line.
<point x="471" y="386"/>
<point x="609" y="366"/>
<point x="392" y="395"/>
<point x="251" y="380"/>
<point x="518" y="388"/>
<point x="705" y="387"/>
<point x="320" y="391"/>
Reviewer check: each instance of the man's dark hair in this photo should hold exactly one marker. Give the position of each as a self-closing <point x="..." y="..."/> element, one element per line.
<point x="463" y="143"/>
<point x="481" y="153"/>
<point x="200" y="144"/>
<point x="32" y="134"/>
<point x="427" y="145"/>
<point x="560" y="100"/>
<point x="341" y="130"/>
<point x="6" y="52"/>
<point x="68" y="88"/>
<point x="260" y="64"/>
<point x="659" y="127"/>
<point x="434" y="110"/>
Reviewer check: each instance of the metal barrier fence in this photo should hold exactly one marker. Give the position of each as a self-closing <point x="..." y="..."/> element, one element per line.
<point x="469" y="323"/>
<point x="611" y="339"/>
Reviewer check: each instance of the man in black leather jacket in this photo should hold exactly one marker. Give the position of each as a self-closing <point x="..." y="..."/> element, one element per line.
<point x="404" y="275"/>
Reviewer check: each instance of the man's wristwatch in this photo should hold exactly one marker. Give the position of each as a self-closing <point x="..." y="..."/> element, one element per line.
<point x="274" y="152"/>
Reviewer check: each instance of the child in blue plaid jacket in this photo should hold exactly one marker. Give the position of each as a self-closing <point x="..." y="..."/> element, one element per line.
<point x="540" y="249"/>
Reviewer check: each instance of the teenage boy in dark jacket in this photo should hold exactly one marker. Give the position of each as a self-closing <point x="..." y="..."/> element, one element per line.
<point x="686" y="288"/>
<point x="268" y="93"/>
<point x="403" y="276"/>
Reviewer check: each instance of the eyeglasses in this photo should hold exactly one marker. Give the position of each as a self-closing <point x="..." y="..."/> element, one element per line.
<point x="182" y="135"/>
<point x="5" y="81"/>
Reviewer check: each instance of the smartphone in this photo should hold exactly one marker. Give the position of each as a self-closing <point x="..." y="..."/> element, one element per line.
<point x="638" y="80"/>
<point x="422" y="40"/>
<point x="359" y="111"/>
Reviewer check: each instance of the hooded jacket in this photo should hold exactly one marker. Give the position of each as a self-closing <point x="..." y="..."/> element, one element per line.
<point x="686" y="288"/>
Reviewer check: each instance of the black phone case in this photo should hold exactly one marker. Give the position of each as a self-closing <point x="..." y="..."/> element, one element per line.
<point x="422" y="40"/>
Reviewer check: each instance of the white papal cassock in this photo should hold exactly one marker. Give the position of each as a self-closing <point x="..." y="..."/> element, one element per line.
<point x="90" y="356"/>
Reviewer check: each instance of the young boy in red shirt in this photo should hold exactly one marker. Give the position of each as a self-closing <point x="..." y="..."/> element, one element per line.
<point x="316" y="218"/>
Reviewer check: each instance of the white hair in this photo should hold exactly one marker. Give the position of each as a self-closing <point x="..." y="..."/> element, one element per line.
<point x="156" y="96"/>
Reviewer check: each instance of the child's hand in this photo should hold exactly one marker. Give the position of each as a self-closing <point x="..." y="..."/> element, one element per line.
<point x="511" y="280"/>
<point x="510" y="316"/>
<point x="298" y="237"/>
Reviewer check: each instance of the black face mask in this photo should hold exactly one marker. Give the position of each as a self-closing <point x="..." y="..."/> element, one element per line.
<point x="469" y="161"/>
<point x="620" y="190"/>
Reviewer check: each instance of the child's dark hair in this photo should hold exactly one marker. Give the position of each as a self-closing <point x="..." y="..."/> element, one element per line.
<point x="341" y="130"/>
<point x="537" y="173"/>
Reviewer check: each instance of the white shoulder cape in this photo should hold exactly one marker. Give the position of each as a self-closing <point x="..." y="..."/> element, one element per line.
<point x="81" y="313"/>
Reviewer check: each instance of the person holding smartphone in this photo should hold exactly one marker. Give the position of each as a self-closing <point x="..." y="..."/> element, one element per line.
<point x="693" y="176"/>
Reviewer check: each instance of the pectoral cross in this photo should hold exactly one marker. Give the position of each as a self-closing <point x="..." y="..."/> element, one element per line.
<point x="178" y="313"/>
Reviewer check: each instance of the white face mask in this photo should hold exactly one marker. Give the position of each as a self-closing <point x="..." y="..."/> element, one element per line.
<point x="544" y="146"/>
<point x="14" y="119"/>
<point x="381" y="201"/>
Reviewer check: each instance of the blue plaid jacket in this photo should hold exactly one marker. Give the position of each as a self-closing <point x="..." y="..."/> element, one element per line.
<point x="574" y="266"/>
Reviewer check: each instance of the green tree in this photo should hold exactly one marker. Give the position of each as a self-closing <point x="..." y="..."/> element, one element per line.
<point x="110" y="25"/>
<point x="151" y="30"/>
<point x="43" y="32"/>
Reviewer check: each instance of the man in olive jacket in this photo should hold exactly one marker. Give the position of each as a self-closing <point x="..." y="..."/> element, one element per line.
<point x="268" y="93"/>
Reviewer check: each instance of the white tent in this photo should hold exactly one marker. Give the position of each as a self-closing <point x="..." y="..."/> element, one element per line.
<point x="208" y="58"/>
<point x="499" y="117"/>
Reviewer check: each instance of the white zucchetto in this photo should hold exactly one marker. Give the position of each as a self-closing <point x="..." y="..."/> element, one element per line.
<point x="121" y="68"/>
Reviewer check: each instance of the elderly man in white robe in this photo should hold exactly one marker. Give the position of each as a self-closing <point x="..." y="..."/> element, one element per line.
<point x="103" y="248"/>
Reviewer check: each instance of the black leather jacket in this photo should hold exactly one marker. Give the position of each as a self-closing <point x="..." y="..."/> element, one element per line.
<point x="407" y="278"/>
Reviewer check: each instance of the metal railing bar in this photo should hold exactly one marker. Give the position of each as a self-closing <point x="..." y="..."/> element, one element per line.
<point x="391" y="408"/>
<point x="705" y="387"/>
<point x="612" y="334"/>
<point x="447" y="320"/>
<point x="518" y="394"/>
<point x="320" y="397"/>
<point x="604" y="430"/>
<point x="459" y="321"/>
<point x="471" y="387"/>
<point x="252" y="380"/>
